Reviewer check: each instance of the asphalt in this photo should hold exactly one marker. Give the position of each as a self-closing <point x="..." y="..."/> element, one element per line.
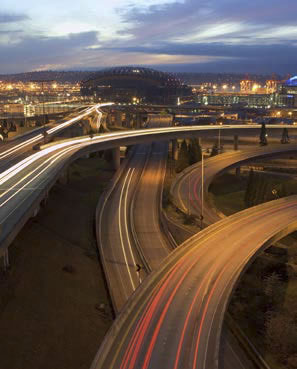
<point x="175" y="318"/>
<point x="25" y="187"/>
<point x="186" y="189"/>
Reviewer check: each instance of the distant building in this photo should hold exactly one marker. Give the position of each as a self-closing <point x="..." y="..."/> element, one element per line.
<point x="135" y="85"/>
<point x="240" y="100"/>
<point x="274" y="95"/>
<point x="271" y="86"/>
<point x="286" y="95"/>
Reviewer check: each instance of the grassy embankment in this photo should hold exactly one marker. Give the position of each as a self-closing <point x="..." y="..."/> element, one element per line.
<point x="54" y="309"/>
<point x="265" y="301"/>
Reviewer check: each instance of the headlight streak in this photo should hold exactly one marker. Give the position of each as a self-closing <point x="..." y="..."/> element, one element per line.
<point x="17" y="147"/>
<point x="79" y="117"/>
<point x="106" y="137"/>
<point x="78" y="144"/>
<point x="129" y="173"/>
<point x="146" y="317"/>
<point x="51" y="160"/>
<point x="31" y="141"/>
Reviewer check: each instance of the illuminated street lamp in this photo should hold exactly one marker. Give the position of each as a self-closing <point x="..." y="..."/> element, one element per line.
<point x="138" y="270"/>
<point x="202" y="189"/>
<point x="42" y="92"/>
<point x="275" y="193"/>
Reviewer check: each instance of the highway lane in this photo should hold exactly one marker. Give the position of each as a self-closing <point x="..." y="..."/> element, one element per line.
<point x="175" y="318"/>
<point x="117" y="248"/>
<point x="36" y="183"/>
<point x="30" y="180"/>
<point x="15" y="150"/>
<point x="155" y="247"/>
<point x="121" y="234"/>
<point x="186" y="190"/>
<point x="146" y="208"/>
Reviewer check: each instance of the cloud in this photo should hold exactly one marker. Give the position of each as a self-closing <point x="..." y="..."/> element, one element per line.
<point x="12" y="18"/>
<point x="202" y="17"/>
<point x="35" y="52"/>
<point x="212" y="34"/>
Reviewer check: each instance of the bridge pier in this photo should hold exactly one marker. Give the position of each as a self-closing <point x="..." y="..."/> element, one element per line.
<point x="129" y="120"/>
<point x="118" y="118"/>
<point x="44" y="201"/>
<point x="138" y="120"/>
<point x="116" y="158"/>
<point x="237" y="171"/>
<point x="64" y="177"/>
<point x="5" y="256"/>
<point x="235" y="142"/>
<point x="175" y="150"/>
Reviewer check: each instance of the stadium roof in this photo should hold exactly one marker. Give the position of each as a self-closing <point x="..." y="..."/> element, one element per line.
<point x="165" y="79"/>
<point x="291" y="82"/>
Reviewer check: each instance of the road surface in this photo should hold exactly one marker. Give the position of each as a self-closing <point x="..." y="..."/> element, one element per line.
<point x="186" y="189"/>
<point x="175" y="318"/>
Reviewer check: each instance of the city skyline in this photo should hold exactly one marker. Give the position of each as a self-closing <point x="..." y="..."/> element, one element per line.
<point x="190" y="36"/>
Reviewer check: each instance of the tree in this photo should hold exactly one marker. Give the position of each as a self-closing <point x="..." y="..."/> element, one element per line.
<point x="281" y="334"/>
<point x="284" y="190"/>
<point x="183" y="157"/>
<point x="263" y="135"/>
<point x="214" y="150"/>
<point x="195" y="154"/>
<point x="249" y="189"/>
<point x="285" y="136"/>
<point x="260" y="189"/>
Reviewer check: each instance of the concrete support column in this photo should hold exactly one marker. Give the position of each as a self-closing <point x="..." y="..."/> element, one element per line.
<point x="200" y="141"/>
<point x="5" y="261"/>
<point x="235" y="142"/>
<point x="64" y="177"/>
<point x="128" y="120"/>
<point x="138" y="120"/>
<point x="237" y="172"/>
<point x="116" y="158"/>
<point x="6" y="258"/>
<point x="108" y="119"/>
<point x="44" y="201"/>
<point x="175" y="149"/>
<point x="118" y="119"/>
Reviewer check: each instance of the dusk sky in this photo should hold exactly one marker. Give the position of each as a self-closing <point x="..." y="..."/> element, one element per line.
<point x="256" y="36"/>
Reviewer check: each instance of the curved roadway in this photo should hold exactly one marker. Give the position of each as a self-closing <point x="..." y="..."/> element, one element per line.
<point x="175" y="318"/>
<point x="16" y="149"/>
<point x="178" y="302"/>
<point x="186" y="189"/>
<point x="25" y="184"/>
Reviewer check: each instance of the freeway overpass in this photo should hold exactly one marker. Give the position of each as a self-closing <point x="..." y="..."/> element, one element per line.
<point x="191" y="178"/>
<point x="174" y="319"/>
<point x="27" y="183"/>
<point x="23" y="187"/>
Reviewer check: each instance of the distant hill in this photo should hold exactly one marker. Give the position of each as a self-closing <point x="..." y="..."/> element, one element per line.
<point x="70" y="76"/>
<point x="189" y="78"/>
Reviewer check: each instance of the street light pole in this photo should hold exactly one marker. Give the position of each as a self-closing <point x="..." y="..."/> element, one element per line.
<point x="219" y="148"/>
<point x="189" y="193"/>
<point x="42" y="90"/>
<point x="202" y="188"/>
